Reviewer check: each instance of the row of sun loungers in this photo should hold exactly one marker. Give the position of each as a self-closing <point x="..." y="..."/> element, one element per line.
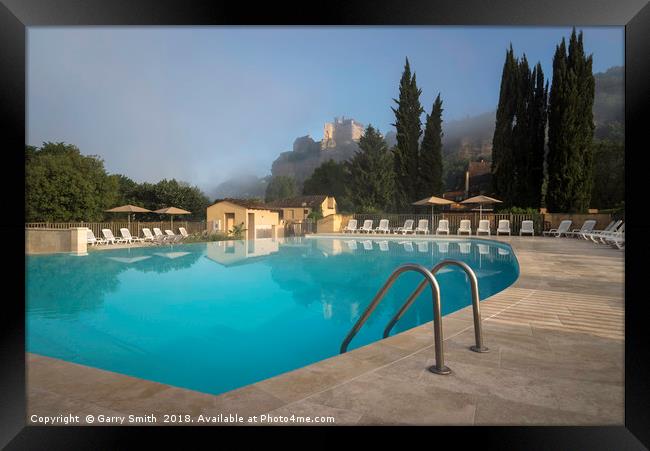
<point x="613" y="234"/>
<point x="157" y="237"/>
<point x="443" y="227"/>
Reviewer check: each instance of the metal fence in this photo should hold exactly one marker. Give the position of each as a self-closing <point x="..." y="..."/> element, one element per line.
<point x="299" y="228"/>
<point x="397" y="220"/>
<point x="135" y="228"/>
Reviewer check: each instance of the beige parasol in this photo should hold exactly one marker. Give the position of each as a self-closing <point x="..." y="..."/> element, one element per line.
<point x="172" y="211"/>
<point x="481" y="200"/>
<point x="128" y="209"/>
<point x="433" y="201"/>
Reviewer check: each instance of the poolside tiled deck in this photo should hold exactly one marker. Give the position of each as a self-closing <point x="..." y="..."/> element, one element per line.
<point x="556" y="340"/>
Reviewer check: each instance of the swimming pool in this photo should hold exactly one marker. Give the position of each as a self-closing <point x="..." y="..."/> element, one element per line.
<point x="216" y="316"/>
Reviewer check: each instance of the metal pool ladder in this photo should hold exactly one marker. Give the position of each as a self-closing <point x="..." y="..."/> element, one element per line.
<point x="429" y="278"/>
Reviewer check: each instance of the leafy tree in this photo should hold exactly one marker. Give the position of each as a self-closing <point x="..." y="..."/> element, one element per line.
<point x="570" y="129"/>
<point x="63" y="185"/>
<point x="371" y="182"/>
<point x="431" y="153"/>
<point x="330" y="178"/>
<point x="409" y="128"/>
<point x="608" y="173"/>
<point x="169" y="193"/>
<point x="280" y="187"/>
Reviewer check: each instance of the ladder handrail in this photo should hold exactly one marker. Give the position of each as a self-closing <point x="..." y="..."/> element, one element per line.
<point x="478" y="334"/>
<point x="439" y="367"/>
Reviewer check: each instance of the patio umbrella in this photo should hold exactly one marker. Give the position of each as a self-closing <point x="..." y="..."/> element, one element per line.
<point x="433" y="201"/>
<point x="481" y="200"/>
<point x="128" y="209"/>
<point x="172" y="211"/>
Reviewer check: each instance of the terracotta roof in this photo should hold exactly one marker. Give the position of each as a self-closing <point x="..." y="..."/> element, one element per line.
<point x="251" y="204"/>
<point x="300" y="201"/>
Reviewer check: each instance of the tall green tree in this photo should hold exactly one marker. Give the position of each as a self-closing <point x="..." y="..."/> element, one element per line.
<point x="371" y="181"/>
<point x="537" y="133"/>
<point x="61" y="184"/>
<point x="519" y="136"/>
<point x="408" y="126"/>
<point x="330" y="178"/>
<point x="430" y="174"/>
<point x="570" y="129"/>
<point x="502" y="141"/>
<point x="280" y="187"/>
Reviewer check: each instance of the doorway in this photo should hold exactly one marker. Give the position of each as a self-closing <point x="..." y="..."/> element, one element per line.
<point x="230" y="222"/>
<point x="251" y="226"/>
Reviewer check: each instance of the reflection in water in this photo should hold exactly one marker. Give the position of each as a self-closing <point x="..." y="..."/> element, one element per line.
<point x="88" y="279"/>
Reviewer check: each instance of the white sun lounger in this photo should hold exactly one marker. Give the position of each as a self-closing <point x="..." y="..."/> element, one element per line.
<point x="443" y="247"/>
<point x="382" y="227"/>
<point x="367" y="226"/>
<point x="383" y="245"/>
<point x="172" y="237"/>
<point x="183" y="232"/>
<point x="351" y="227"/>
<point x="561" y="229"/>
<point x="423" y="226"/>
<point x="408" y="245"/>
<point x="108" y="236"/>
<point x="91" y="240"/>
<point x="443" y="227"/>
<point x="406" y="228"/>
<point x="612" y="226"/>
<point x="483" y="227"/>
<point x="423" y="246"/>
<point x="465" y="248"/>
<point x="605" y="236"/>
<point x="587" y="227"/>
<point x="483" y="249"/>
<point x="148" y="236"/>
<point x="504" y="226"/>
<point x="158" y="235"/>
<point x="464" y="227"/>
<point x="527" y="227"/>
<point x="126" y="235"/>
<point x="367" y="245"/>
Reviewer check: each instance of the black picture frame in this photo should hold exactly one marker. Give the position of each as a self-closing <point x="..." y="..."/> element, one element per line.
<point x="16" y="15"/>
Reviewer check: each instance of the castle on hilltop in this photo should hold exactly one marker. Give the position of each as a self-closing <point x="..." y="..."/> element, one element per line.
<point x="341" y="131"/>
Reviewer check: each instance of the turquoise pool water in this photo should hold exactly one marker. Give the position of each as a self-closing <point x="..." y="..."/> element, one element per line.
<point x="216" y="316"/>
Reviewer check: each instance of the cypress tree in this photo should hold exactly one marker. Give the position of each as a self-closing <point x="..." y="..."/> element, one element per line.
<point x="431" y="153"/>
<point x="571" y="127"/>
<point x="409" y="128"/>
<point x="502" y="141"/>
<point x="519" y="135"/>
<point x="371" y="183"/>
<point x="538" y="120"/>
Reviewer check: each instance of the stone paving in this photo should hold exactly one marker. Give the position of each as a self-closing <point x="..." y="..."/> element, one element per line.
<point x="556" y="340"/>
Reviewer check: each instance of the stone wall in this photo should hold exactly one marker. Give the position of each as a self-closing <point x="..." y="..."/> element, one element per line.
<point x="52" y="241"/>
<point x="332" y="223"/>
<point x="577" y="219"/>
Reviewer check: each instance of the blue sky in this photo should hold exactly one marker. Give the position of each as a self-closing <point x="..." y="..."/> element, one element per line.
<point x="203" y="103"/>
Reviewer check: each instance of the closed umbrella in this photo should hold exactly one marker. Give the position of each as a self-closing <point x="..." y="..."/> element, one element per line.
<point x="481" y="200"/>
<point x="433" y="201"/>
<point x="172" y="211"/>
<point x="128" y="209"/>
